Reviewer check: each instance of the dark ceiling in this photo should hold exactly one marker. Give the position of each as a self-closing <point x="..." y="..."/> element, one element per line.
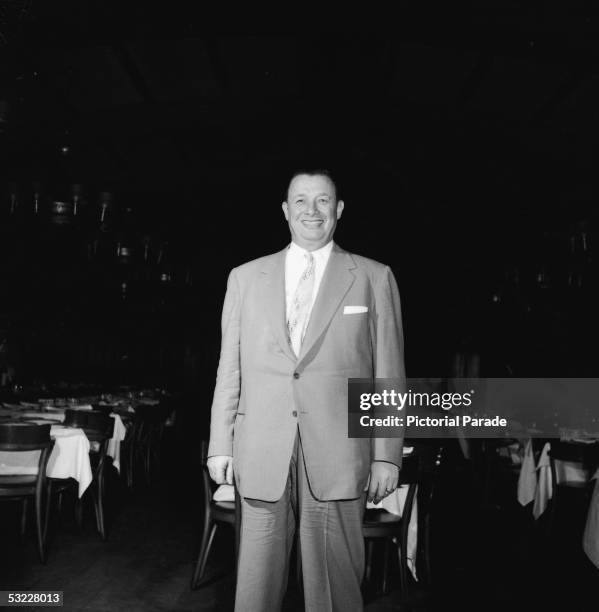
<point x="464" y="137"/>
<point x="155" y="103"/>
<point x="484" y="117"/>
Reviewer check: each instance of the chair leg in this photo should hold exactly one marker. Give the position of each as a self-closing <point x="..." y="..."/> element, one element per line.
<point x="129" y="467"/>
<point x="552" y="511"/>
<point x="99" y="507"/>
<point x="79" y="512"/>
<point x="403" y="566"/>
<point x="386" y="567"/>
<point x="207" y="537"/>
<point x="148" y="458"/>
<point x="40" y="525"/>
<point x="426" y="550"/>
<point x="48" y="503"/>
<point x="369" y="552"/>
<point x="237" y="526"/>
<point x="158" y="441"/>
<point x="96" y="511"/>
<point x="24" y="515"/>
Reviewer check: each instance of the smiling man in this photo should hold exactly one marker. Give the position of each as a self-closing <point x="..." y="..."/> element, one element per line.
<point x="295" y="326"/>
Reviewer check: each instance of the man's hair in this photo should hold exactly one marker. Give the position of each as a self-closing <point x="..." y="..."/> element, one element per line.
<point x="313" y="172"/>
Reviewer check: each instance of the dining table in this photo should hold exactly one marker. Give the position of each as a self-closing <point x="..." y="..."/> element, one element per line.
<point x="70" y="454"/>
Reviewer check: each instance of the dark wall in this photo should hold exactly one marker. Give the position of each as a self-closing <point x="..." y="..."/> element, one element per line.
<point x="464" y="148"/>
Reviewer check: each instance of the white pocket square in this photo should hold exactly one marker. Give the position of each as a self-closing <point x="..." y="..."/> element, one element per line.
<point x="354" y="309"/>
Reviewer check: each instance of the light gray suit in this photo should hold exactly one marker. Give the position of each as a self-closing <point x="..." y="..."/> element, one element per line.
<point x="264" y="393"/>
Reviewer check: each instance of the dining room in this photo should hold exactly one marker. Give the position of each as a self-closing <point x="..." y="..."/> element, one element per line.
<point x="145" y="155"/>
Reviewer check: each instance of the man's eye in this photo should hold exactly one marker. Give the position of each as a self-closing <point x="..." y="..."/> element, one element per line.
<point x="323" y="200"/>
<point x="299" y="202"/>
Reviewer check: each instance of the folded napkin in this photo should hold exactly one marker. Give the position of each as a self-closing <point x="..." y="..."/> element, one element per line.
<point x="224" y="493"/>
<point x="114" y="444"/>
<point x="544" y="490"/>
<point x="527" y="481"/>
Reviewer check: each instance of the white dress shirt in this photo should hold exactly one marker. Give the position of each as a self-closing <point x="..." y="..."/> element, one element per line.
<point x="295" y="264"/>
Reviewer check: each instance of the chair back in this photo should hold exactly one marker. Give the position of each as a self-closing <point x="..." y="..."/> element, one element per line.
<point x="96" y="425"/>
<point x="568" y="451"/>
<point x="24" y="437"/>
<point x="154" y="415"/>
<point x="208" y="485"/>
<point x="420" y="465"/>
<point x="585" y="455"/>
<point x="203" y="452"/>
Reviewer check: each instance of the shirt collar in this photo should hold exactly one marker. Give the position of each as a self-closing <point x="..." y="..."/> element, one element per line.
<point x="321" y="254"/>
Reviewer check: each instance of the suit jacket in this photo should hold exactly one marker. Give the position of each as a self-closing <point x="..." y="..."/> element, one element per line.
<point x="264" y="392"/>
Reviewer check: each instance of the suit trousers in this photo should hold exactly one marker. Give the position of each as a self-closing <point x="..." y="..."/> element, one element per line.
<point x="330" y="539"/>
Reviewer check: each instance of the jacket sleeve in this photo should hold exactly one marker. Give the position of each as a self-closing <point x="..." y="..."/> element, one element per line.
<point x="389" y="357"/>
<point x="228" y="377"/>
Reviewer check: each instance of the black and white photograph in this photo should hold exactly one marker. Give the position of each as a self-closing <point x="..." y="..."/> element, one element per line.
<point x="299" y="319"/>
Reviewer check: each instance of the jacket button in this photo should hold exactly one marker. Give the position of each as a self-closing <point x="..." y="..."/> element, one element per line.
<point x="296" y="375"/>
<point x="294" y="413"/>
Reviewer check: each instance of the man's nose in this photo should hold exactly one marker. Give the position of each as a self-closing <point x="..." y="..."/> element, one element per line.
<point x="311" y="207"/>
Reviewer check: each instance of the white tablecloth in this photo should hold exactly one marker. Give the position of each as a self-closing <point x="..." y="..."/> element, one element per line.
<point x="70" y="455"/>
<point x="69" y="458"/>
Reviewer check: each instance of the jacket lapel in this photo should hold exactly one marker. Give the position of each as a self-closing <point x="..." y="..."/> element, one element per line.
<point x="335" y="284"/>
<point x="274" y="299"/>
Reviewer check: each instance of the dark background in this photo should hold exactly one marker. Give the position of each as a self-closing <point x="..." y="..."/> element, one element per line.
<point x="463" y="140"/>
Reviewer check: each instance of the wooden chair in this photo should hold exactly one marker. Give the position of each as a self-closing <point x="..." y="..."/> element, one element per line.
<point x="215" y="514"/>
<point x="577" y="492"/>
<point x="144" y="445"/>
<point x="99" y="429"/>
<point x="21" y="437"/>
<point x="417" y="474"/>
<point x="128" y="419"/>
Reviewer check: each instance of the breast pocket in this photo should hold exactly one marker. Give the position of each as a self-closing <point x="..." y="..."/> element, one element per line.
<point x="355" y="319"/>
<point x="355" y="329"/>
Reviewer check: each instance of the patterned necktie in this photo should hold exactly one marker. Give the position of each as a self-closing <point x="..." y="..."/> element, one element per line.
<point x="299" y="310"/>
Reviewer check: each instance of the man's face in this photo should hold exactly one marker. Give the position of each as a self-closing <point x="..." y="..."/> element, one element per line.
<point x="312" y="210"/>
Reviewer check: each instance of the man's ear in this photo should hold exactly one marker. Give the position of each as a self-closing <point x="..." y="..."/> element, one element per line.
<point x="285" y="208"/>
<point x="340" y="207"/>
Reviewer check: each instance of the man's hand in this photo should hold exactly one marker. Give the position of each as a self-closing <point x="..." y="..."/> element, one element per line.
<point x="221" y="469"/>
<point x="383" y="480"/>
